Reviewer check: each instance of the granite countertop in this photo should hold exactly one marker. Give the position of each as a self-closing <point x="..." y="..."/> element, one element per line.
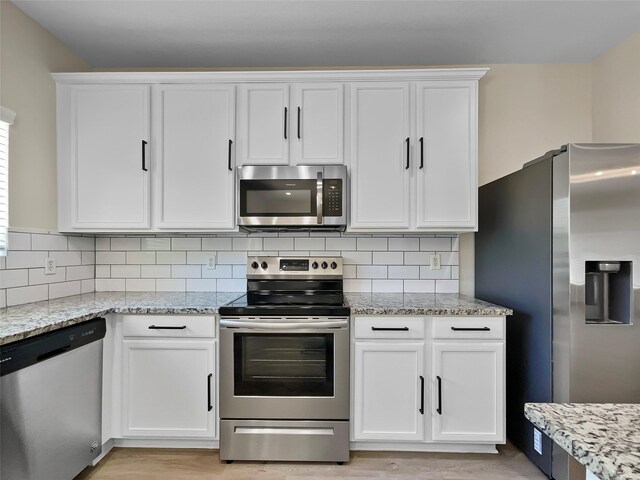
<point x="33" y="319"/>
<point x="421" y="304"/>
<point x="605" y="438"/>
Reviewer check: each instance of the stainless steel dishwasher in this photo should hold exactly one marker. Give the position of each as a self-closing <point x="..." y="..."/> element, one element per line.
<point x="51" y="403"/>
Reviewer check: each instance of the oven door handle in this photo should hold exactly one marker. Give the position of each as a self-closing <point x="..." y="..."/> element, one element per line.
<point x="283" y="325"/>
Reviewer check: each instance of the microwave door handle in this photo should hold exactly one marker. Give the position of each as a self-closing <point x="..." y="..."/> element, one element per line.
<point x="319" y="194"/>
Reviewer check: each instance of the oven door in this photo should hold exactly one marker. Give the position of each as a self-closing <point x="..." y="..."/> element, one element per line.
<point x="276" y="369"/>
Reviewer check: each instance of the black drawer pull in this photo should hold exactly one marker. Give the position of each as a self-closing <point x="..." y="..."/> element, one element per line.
<point x="476" y="329"/>
<point x="439" y="409"/>
<point x="299" y="114"/>
<point x="408" y="148"/>
<point x="286" y="110"/>
<point x="421" y="395"/>
<point x="159" y="327"/>
<point x="390" y="329"/>
<point x="144" y="157"/>
<point x="229" y="160"/>
<point x="209" y="406"/>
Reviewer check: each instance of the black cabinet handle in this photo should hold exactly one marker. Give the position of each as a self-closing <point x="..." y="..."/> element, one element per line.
<point x="159" y="327"/>
<point x="407" y="140"/>
<point x="390" y="329"/>
<point x="421" y="152"/>
<point x="476" y="329"/>
<point x="144" y="159"/>
<point x="299" y="109"/>
<point x="285" y="122"/>
<point x="209" y="406"/>
<point x="229" y="165"/>
<point x="421" y="395"/>
<point x="439" y="409"/>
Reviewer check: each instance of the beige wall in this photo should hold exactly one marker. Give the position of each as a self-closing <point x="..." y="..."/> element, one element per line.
<point x="616" y="93"/>
<point x="28" y="53"/>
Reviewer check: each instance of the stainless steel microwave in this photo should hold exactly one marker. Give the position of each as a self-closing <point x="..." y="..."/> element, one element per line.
<point x="292" y="198"/>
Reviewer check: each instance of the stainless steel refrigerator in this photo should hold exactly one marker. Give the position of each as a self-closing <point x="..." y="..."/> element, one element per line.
<point x="559" y="242"/>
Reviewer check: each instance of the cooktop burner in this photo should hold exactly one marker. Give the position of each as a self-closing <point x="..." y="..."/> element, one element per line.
<point x="275" y="305"/>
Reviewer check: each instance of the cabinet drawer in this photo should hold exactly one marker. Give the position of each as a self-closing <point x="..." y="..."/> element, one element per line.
<point x="457" y="328"/>
<point x="389" y="327"/>
<point x="169" y="326"/>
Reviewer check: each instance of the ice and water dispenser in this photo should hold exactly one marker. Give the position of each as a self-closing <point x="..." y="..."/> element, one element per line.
<point x="608" y="292"/>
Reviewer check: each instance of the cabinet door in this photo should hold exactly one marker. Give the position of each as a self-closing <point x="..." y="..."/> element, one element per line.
<point x="447" y="155"/>
<point x="379" y="155"/>
<point x="468" y="386"/>
<point x="388" y="391"/>
<point x="317" y="124"/>
<point x="167" y="386"/>
<point x="194" y="173"/>
<point x="109" y="138"/>
<point x="264" y="122"/>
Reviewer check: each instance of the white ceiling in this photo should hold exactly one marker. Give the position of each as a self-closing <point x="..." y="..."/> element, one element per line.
<point x="193" y="33"/>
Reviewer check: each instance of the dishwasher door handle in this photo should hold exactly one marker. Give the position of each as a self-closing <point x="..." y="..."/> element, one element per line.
<point x="53" y="353"/>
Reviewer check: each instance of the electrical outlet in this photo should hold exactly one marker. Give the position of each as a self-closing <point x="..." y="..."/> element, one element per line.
<point x="49" y="266"/>
<point x="211" y="263"/>
<point x="537" y="440"/>
<point x="434" y="261"/>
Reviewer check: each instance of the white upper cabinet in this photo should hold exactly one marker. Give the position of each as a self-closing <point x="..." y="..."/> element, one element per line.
<point x="194" y="126"/>
<point x="264" y="121"/>
<point x="380" y="150"/>
<point x="447" y="152"/>
<point x="104" y="157"/>
<point x="317" y="126"/>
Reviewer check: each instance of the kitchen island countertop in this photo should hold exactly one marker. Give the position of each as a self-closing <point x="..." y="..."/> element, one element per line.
<point x="24" y="321"/>
<point x="605" y="438"/>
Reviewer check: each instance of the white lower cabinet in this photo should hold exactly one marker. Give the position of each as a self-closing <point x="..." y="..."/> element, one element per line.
<point x="468" y="400"/>
<point x="459" y="402"/>
<point x="168" y="378"/>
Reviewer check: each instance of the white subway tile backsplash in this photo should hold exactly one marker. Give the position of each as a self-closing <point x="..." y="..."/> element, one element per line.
<point x="88" y="258"/>
<point x="449" y="258"/>
<point x="247" y="243"/>
<point x="37" y="276"/>
<point x="171" y="258"/>
<point x="64" y="259"/>
<point x="125" y="271"/>
<point x="170" y="285"/>
<point x="239" y="271"/>
<point x="356" y="285"/>
<point x="455" y="272"/>
<point x="154" y="243"/>
<point x="19" y="241"/>
<point x="186" y="244"/>
<point x="25" y="259"/>
<point x="294" y="253"/>
<point x="278" y="243"/>
<point x="103" y="243"/>
<point x="186" y="271"/>
<point x="141" y="258"/>
<point x="342" y="243"/>
<point x="232" y="258"/>
<point x="14" y="278"/>
<point x="216" y="244"/>
<point x="356" y="258"/>
<point x="435" y="244"/>
<point x="3" y="298"/>
<point x="88" y="286"/>
<point x="103" y="271"/>
<point x="446" y="286"/>
<point x="20" y="295"/>
<point x="419" y="286"/>
<point x="84" y="272"/>
<point x="375" y="243"/>
<point x="368" y="271"/>
<point x="416" y="258"/>
<point x="231" y="285"/>
<point x="388" y="258"/>
<point x="155" y="271"/>
<point x="201" y="285"/>
<point x="85" y="244"/>
<point x="111" y="258"/>
<point x="349" y="271"/>
<point x="128" y="243"/>
<point x="443" y="273"/>
<point x="387" y="286"/>
<point x="404" y="272"/>
<point x="199" y="258"/>
<point x="310" y="243"/>
<point x="140" y="285"/>
<point x="455" y="244"/>
<point x="48" y="242"/>
<point x="110" y="285"/>
<point x="221" y="271"/>
<point x="404" y="244"/>
<point x="65" y="289"/>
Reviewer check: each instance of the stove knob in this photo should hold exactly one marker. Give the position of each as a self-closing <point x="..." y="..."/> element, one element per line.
<point x="334" y="265"/>
<point x="264" y="265"/>
<point x="324" y="265"/>
<point x="254" y="265"/>
<point x="314" y="265"/>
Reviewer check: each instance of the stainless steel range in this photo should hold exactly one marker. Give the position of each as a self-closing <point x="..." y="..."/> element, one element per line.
<point x="284" y="363"/>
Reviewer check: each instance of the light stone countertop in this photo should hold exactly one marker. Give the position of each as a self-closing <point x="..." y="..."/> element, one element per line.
<point x="23" y="321"/>
<point x="605" y="438"/>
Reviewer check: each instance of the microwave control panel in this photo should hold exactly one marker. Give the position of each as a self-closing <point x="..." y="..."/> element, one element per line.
<point x="332" y="201"/>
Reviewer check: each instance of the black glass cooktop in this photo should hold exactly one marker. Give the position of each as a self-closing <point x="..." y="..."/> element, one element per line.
<point x="289" y="304"/>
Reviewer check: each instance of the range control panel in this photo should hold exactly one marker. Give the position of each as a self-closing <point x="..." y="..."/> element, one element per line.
<point x="294" y="266"/>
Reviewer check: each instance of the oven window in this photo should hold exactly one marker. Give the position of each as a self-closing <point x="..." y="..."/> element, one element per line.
<point x="283" y="365"/>
<point x="278" y="198"/>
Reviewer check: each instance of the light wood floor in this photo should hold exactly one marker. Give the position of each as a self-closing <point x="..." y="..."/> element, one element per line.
<point x="165" y="464"/>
